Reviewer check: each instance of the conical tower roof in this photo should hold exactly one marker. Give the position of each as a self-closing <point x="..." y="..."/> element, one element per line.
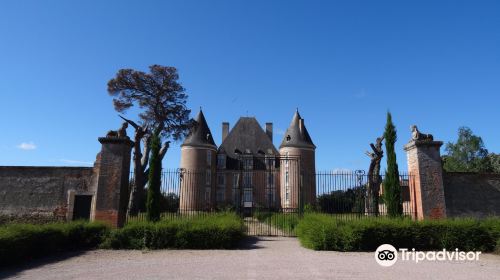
<point x="200" y="135"/>
<point x="297" y="135"/>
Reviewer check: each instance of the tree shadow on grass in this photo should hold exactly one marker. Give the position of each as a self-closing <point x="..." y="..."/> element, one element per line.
<point x="15" y="269"/>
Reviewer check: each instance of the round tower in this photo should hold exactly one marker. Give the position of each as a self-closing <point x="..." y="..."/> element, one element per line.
<point x="198" y="167"/>
<point x="298" y="166"/>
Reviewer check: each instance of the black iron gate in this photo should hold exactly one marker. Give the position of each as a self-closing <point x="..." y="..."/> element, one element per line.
<point x="271" y="194"/>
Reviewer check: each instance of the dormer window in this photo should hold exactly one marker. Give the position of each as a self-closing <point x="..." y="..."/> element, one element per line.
<point x="221" y="161"/>
<point x="248" y="163"/>
<point x="288" y="138"/>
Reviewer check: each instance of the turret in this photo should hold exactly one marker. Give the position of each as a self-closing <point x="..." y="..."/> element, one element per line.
<point x="198" y="167"/>
<point x="298" y="167"/>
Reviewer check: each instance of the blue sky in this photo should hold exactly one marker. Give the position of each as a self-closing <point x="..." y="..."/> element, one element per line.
<point x="343" y="63"/>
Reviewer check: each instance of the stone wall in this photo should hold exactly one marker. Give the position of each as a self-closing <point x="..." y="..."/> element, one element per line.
<point x="472" y="194"/>
<point x="41" y="193"/>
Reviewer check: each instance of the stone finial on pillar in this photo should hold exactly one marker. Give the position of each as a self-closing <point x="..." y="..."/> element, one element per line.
<point x="112" y="171"/>
<point x="426" y="176"/>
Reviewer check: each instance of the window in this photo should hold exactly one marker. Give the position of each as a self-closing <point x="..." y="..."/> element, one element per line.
<point x="270" y="163"/>
<point x="248" y="163"/>
<point x="209" y="158"/>
<point x="236" y="196"/>
<point x="236" y="190"/>
<point x="208" y="177"/>
<point x="247" y="196"/>
<point x="286" y="160"/>
<point x="247" y="180"/>
<point x="287" y="178"/>
<point x="287" y="195"/>
<point x="270" y="197"/>
<point x="207" y="195"/>
<point x="220" y="195"/>
<point x="221" y="161"/>
<point x="270" y="189"/>
<point x="236" y="178"/>
<point x="270" y="179"/>
<point x="221" y="179"/>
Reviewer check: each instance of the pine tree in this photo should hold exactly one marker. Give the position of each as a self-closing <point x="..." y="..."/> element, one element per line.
<point x="154" y="181"/>
<point x="392" y="189"/>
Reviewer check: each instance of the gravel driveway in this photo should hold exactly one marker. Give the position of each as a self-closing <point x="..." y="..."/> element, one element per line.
<point x="264" y="258"/>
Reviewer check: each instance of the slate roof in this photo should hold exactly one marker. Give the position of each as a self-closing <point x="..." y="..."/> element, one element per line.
<point x="247" y="137"/>
<point x="295" y="136"/>
<point x="200" y="135"/>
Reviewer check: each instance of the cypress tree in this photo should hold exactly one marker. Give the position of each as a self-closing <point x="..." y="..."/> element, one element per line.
<point x="154" y="180"/>
<point x="392" y="188"/>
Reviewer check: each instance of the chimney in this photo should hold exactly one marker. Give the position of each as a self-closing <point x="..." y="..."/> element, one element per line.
<point x="301" y="126"/>
<point x="269" y="130"/>
<point x="225" y="130"/>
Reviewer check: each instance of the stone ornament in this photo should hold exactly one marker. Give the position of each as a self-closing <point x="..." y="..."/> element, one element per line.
<point x="121" y="132"/>
<point x="416" y="135"/>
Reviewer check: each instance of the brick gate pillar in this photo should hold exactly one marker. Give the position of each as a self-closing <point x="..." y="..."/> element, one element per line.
<point x="112" y="171"/>
<point x="426" y="179"/>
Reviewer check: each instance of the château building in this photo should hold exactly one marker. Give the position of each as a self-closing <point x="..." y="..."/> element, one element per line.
<point x="247" y="170"/>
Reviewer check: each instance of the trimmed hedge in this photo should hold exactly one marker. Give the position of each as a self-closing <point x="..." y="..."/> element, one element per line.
<point x="214" y="231"/>
<point x="323" y="232"/>
<point x="20" y="242"/>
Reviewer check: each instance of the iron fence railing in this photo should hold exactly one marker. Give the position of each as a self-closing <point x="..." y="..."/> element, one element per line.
<point x="261" y="196"/>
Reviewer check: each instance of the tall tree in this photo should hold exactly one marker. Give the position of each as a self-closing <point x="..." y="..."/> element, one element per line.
<point x="494" y="162"/>
<point x="392" y="188"/>
<point x="468" y="154"/>
<point x="154" y="191"/>
<point x="374" y="178"/>
<point x="162" y="103"/>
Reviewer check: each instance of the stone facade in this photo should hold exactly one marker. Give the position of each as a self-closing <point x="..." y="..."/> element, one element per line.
<point x="42" y="194"/>
<point x="426" y="186"/>
<point x="472" y="194"/>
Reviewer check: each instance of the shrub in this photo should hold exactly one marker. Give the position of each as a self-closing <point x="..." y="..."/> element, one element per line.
<point x="323" y="232"/>
<point x="342" y="201"/>
<point x="19" y="242"/>
<point x="213" y="231"/>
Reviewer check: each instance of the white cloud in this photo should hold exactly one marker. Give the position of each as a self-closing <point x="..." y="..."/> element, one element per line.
<point x="70" y="161"/>
<point x="26" y="146"/>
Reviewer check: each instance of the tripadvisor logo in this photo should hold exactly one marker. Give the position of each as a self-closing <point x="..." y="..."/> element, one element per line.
<point x="386" y="255"/>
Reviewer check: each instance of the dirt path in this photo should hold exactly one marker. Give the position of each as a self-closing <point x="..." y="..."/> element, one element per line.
<point x="266" y="258"/>
<point x="257" y="228"/>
